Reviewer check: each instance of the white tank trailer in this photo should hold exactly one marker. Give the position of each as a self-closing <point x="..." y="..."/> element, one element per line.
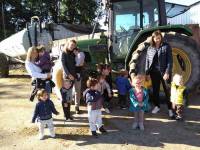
<point x="15" y="47"/>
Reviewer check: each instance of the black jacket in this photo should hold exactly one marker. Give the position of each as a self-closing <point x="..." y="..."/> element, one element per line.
<point x="165" y="60"/>
<point x="44" y="110"/>
<point x="68" y="63"/>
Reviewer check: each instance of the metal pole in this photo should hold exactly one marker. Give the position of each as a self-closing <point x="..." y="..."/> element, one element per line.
<point x="97" y="19"/>
<point x="3" y="19"/>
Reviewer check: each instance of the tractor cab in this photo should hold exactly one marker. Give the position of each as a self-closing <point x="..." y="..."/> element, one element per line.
<point x="127" y="18"/>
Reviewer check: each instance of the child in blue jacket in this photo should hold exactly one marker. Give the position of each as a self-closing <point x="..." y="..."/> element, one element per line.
<point x="94" y="102"/>
<point x="138" y="101"/>
<point x="43" y="113"/>
<point x="123" y="87"/>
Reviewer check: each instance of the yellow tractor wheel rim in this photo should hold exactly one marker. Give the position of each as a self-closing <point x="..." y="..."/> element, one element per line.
<point x="180" y="58"/>
<point x="181" y="64"/>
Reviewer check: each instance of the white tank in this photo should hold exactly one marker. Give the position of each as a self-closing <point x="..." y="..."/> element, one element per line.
<point x="18" y="44"/>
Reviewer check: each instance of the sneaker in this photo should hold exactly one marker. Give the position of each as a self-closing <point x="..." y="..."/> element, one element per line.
<point x="134" y="126"/>
<point x="141" y="126"/>
<point x="94" y="133"/>
<point x="171" y="114"/>
<point x="69" y="119"/>
<point x="173" y="117"/>
<point x="107" y="110"/>
<point x="123" y="107"/>
<point x="155" y="110"/>
<point x="41" y="137"/>
<point x="77" y="110"/>
<point x="53" y="136"/>
<point x="178" y="118"/>
<point x="102" y="130"/>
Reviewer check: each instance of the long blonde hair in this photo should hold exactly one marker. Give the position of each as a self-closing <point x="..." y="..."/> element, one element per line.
<point x="67" y="45"/>
<point x="30" y="53"/>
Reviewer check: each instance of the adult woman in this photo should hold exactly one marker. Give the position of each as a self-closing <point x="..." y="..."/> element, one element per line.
<point x="80" y="61"/>
<point x="33" y="70"/>
<point x="68" y="62"/>
<point x="159" y="67"/>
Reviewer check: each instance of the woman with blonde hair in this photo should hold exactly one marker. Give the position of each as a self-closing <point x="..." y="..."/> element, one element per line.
<point x="69" y="69"/>
<point x="34" y="71"/>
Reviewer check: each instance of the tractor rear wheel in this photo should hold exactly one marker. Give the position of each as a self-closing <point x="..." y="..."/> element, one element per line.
<point x="4" y="66"/>
<point x="186" y="59"/>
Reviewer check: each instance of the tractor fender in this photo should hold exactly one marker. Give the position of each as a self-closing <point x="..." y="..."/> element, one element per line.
<point x="144" y="34"/>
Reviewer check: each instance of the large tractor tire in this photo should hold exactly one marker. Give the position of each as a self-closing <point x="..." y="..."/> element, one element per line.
<point x="4" y="66"/>
<point x="186" y="58"/>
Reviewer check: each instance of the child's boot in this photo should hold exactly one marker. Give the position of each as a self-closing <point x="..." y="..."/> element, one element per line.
<point x="102" y="130"/>
<point x="94" y="133"/>
<point x="135" y="125"/>
<point x="141" y="126"/>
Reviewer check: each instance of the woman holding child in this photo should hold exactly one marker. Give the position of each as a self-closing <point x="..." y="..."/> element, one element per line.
<point x="35" y="71"/>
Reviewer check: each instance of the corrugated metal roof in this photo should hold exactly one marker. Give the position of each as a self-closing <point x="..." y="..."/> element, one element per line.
<point x="189" y="17"/>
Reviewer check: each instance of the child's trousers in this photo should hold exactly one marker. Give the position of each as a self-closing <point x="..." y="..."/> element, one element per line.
<point x="95" y="119"/>
<point x="139" y="117"/>
<point x="42" y="124"/>
<point x="178" y="109"/>
<point x="77" y="96"/>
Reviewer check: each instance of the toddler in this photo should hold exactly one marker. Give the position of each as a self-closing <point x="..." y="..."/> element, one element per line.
<point x="104" y="89"/>
<point x="43" y="113"/>
<point x="123" y="87"/>
<point x="138" y="101"/>
<point x="178" y="94"/>
<point x="66" y="97"/>
<point x="94" y="102"/>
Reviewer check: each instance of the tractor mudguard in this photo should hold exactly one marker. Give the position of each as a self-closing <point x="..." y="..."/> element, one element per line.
<point x="143" y="34"/>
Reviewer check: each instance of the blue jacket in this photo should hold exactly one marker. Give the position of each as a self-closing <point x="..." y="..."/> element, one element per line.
<point x="123" y="85"/>
<point x="164" y="58"/>
<point x="44" y="110"/>
<point x="94" y="99"/>
<point x="134" y="104"/>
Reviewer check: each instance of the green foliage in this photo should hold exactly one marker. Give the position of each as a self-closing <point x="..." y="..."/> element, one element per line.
<point x="18" y="12"/>
<point x="78" y="11"/>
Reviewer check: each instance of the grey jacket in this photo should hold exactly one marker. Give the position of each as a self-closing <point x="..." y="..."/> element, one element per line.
<point x="164" y="58"/>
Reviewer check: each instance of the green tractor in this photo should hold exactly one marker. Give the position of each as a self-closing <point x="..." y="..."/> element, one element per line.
<point x="131" y="23"/>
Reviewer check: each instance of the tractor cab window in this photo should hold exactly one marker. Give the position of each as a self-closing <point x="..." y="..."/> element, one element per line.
<point x="150" y="13"/>
<point x="126" y="22"/>
<point x="126" y="15"/>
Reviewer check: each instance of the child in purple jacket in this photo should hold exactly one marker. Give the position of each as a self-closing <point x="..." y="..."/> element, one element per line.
<point x="44" y="60"/>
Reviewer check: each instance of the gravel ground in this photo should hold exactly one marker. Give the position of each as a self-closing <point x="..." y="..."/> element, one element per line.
<point x="16" y="131"/>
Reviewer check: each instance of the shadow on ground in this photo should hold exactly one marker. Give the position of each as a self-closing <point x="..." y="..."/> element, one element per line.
<point x="159" y="130"/>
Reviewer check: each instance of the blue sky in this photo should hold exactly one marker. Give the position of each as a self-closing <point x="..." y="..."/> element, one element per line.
<point x="183" y="2"/>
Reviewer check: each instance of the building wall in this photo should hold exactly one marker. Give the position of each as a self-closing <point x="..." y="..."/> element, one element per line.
<point x="192" y="16"/>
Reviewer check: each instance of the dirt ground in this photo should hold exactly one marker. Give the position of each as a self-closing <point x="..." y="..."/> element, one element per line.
<point x="18" y="133"/>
